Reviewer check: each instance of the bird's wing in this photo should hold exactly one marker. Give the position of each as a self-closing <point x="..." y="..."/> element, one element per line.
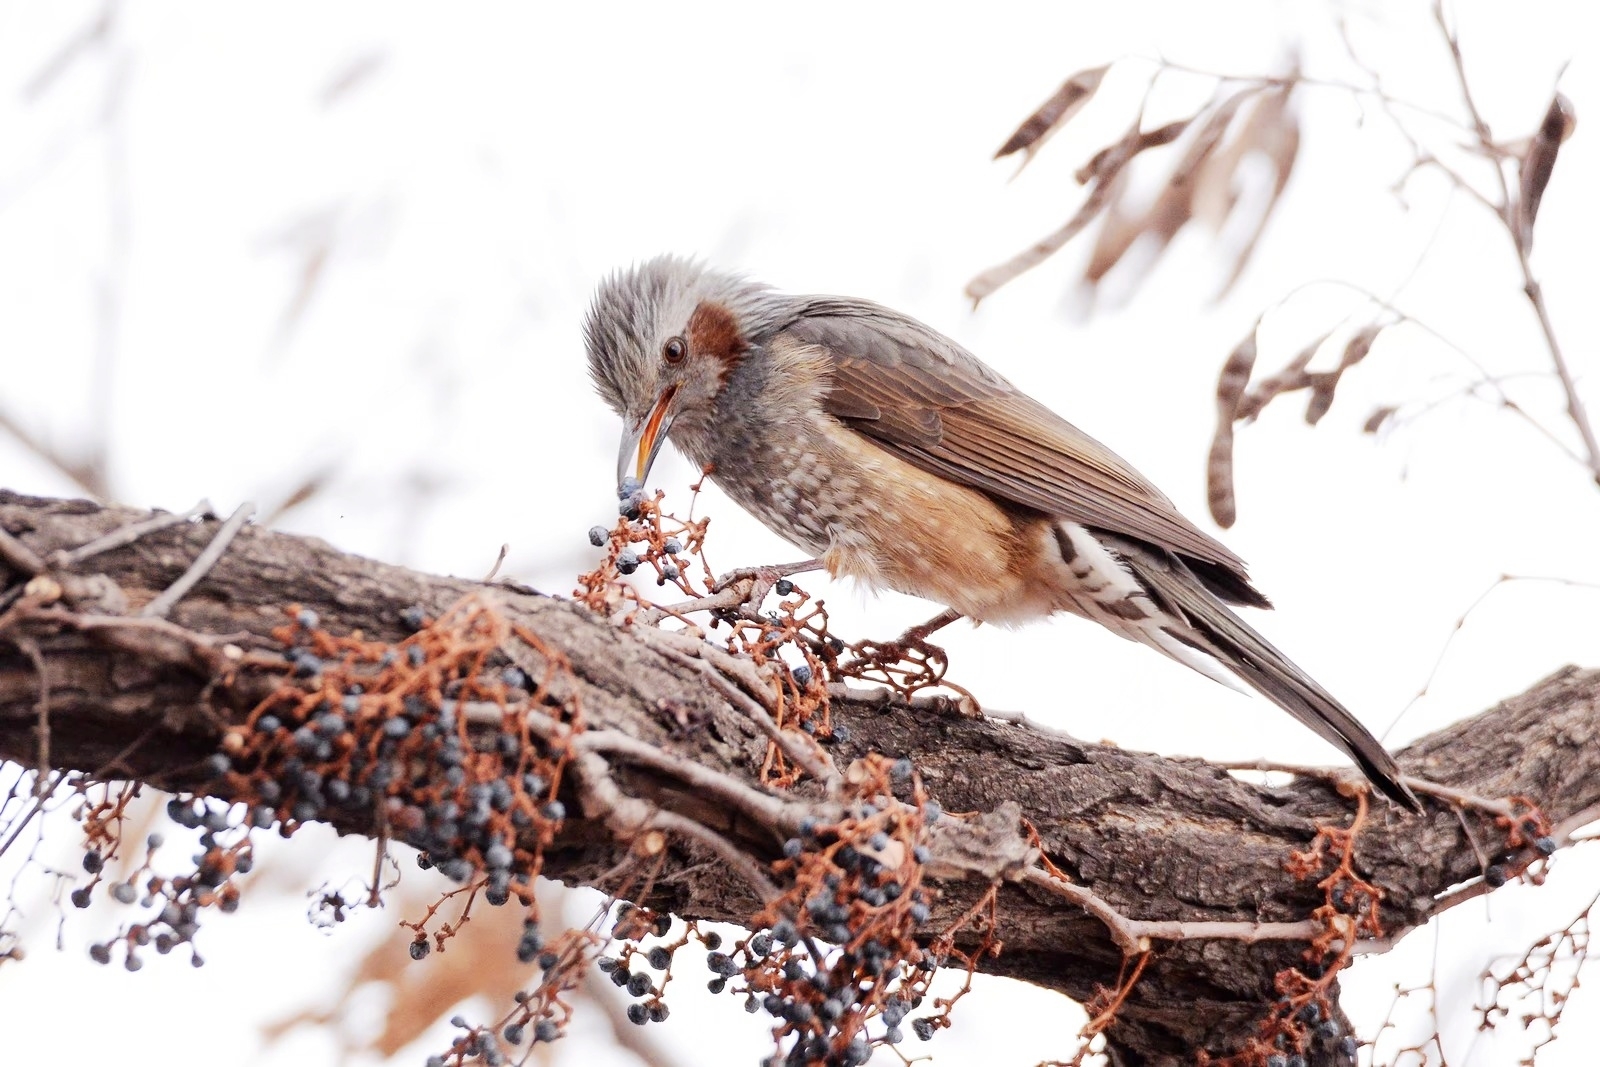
<point x="926" y="399"/>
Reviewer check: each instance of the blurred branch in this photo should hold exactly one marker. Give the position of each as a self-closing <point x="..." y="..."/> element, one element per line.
<point x="94" y="33"/>
<point x="87" y="474"/>
<point x="1177" y="850"/>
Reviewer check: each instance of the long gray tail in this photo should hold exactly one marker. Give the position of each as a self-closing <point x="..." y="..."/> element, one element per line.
<point x="1204" y="623"/>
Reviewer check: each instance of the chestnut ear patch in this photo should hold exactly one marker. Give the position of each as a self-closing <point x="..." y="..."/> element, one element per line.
<point x="714" y="332"/>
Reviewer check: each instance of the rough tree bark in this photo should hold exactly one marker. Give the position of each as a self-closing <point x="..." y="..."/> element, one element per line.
<point x="1148" y="838"/>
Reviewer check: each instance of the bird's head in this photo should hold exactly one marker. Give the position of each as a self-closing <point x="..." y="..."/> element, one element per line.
<point x="662" y="338"/>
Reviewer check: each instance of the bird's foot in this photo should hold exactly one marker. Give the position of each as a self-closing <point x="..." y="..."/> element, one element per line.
<point x="918" y="635"/>
<point x="908" y="663"/>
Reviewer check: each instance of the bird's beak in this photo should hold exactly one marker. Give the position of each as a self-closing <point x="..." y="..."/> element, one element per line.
<point x="644" y="439"/>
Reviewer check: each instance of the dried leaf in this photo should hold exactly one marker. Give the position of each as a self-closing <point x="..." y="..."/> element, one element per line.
<point x="1100" y="193"/>
<point x="1293" y="376"/>
<point x="1271" y="129"/>
<point x="1132" y="143"/>
<point x="1539" y="161"/>
<point x="1235" y="375"/>
<point x="1053" y="114"/>
<point x="1378" y="418"/>
<point x="1041" y="250"/>
<point x="1358" y="346"/>
<point x="1174" y="206"/>
<point x="1231" y="385"/>
<point x="1322" y="385"/>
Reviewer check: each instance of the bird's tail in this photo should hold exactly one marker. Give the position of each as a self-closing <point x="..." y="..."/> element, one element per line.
<point x="1199" y="621"/>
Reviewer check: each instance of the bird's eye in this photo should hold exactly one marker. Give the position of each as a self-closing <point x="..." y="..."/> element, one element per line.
<point x="674" y="351"/>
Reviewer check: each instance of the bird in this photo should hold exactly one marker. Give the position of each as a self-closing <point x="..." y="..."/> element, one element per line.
<point x="899" y="459"/>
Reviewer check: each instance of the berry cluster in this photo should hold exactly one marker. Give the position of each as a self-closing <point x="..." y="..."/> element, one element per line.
<point x="1528" y="840"/>
<point x="632" y="927"/>
<point x="538" y="1015"/>
<point x="371" y="727"/>
<point x="643" y="536"/>
<point x="376" y="734"/>
<point x="175" y="902"/>
<point x="838" y="960"/>
<point x="1303" y="1022"/>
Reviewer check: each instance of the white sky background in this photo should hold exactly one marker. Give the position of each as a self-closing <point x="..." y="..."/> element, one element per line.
<point x="499" y="159"/>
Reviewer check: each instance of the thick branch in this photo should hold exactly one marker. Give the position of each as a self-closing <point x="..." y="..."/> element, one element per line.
<point x="1165" y="844"/>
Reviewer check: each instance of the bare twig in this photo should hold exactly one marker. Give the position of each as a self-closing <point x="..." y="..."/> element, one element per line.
<point x="1133" y="936"/>
<point x="781" y="815"/>
<point x="629" y="817"/>
<point x="30" y="648"/>
<point x="790" y="742"/>
<point x="1461" y="621"/>
<point x="41" y="795"/>
<point x="19" y="556"/>
<point x="765" y="808"/>
<point x="1509" y="214"/>
<point x="126" y="535"/>
<point x="162" y="604"/>
<point x="498" y="560"/>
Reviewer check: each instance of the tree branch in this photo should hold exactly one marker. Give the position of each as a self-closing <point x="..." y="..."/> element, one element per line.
<point x="1171" y="853"/>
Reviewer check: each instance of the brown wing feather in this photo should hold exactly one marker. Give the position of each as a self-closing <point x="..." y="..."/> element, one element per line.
<point x="923" y="397"/>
